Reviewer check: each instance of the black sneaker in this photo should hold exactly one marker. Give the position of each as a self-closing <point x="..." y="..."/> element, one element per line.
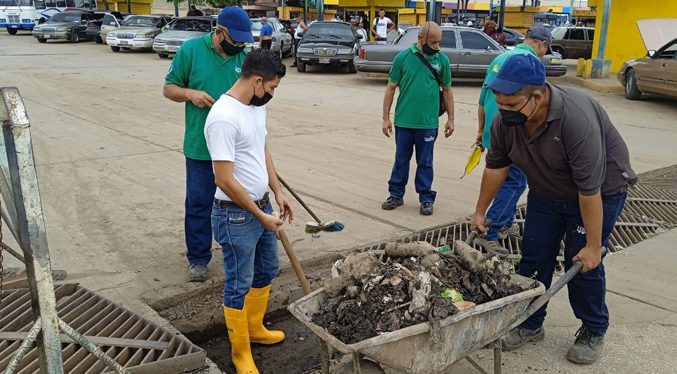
<point x="518" y="337"/>
<point x="426" y="209"/>
<point x="392" y="203"/>
<point x="197" y="273"/>
<point x="587" y="348"/>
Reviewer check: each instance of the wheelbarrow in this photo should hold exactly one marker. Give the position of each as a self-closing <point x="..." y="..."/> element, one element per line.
<point x="412" y="350"/>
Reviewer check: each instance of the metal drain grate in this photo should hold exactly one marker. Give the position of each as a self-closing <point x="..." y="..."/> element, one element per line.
<point x="134" y="342"/>
<point x="650" y="209"/>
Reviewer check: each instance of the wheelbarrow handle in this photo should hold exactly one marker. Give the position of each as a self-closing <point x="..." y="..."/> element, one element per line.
<point x="556" y="287"/>
<point x="473" y="234"/>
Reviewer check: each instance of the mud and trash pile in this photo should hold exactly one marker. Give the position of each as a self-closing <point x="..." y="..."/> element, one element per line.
<point x="409" y="283"/>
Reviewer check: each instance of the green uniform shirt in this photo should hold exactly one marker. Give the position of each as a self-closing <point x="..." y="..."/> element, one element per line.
<point x="199" y="66"/>
<point x="418" y="103"/>
<point x="487" y="97"/>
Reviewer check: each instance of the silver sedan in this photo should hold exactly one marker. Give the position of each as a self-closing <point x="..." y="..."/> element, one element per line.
<point x="179" y="31"/>
<point x="282" y="40"/>
<point x="470" y="53"/>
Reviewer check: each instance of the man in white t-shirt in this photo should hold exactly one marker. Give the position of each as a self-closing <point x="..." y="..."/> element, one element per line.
<point x="382" y="26"/>
<point x="242" y="220"/>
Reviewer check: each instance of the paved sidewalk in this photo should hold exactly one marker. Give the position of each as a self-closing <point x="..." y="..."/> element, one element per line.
<point x="607" y="85"/>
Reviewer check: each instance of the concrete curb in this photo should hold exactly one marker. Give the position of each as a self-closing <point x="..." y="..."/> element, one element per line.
<point x="603" y="86"/>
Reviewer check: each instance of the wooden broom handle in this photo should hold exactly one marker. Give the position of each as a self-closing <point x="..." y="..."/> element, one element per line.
<point x="298" y="198"/>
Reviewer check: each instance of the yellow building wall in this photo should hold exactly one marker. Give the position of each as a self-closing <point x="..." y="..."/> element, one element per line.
<point x="624" y="41"/>
<point x="138" y="6"/>
<point x="329" y="14"/>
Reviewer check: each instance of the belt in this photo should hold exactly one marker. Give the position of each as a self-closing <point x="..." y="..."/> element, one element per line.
<point x="264" y="202"/>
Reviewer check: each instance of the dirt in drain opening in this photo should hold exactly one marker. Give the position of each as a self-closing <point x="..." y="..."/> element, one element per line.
<point x="297" y="354"/>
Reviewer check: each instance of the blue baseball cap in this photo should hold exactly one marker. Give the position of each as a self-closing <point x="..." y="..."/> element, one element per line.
<point x="237" y="22"/>
<point x="518" y="71"/>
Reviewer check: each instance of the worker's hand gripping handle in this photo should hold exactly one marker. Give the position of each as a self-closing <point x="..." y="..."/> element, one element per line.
<point x="539" y="302"/>
<point x="473" y="234"/>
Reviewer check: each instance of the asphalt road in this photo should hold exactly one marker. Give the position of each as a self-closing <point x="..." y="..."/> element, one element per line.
<point x="108" y="152"/>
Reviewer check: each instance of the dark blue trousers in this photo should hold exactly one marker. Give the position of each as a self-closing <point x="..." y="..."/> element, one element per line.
<point x="423" y="141"/>
<point x="547" y="222"/>
<point x="502" y="211"/>
<point x="200" y="189"/>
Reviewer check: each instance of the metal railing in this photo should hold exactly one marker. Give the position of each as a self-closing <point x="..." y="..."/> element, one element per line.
<point x="23" y="215"/>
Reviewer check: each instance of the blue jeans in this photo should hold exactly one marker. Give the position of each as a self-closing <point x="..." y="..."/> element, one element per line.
<point x="547" y="223"/>
<point x="250" y="255"/>
<point x="502" y="211"/>
<point x="423" y="140"/>
<point x="200" y="189"/>
<point x="296" y="50"/>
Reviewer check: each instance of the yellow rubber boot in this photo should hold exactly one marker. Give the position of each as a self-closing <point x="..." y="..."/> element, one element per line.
<point x="236" y="321"/>
<point x="255" y="303"/>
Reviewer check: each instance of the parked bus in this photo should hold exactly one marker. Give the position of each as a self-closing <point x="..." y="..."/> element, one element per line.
<point x="18" y="15"/>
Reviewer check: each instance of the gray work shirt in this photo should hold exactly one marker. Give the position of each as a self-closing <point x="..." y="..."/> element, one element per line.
<point x="577" y="149"/>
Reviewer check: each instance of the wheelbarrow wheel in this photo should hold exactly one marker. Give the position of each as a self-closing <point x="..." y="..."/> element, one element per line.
<point x="366" y="367"/>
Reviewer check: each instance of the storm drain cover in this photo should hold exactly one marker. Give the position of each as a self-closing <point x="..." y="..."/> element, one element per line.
<point x="134" y="342"/>
<point x="651" y="208"/>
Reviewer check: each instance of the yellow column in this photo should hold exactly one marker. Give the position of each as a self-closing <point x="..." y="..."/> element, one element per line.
<point x="580" y="68"/>
<point x="588" y="69"/>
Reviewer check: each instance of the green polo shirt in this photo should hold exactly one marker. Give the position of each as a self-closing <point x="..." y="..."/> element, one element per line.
<point x="487" y="97"/>
<point x="418" y="104"/>
<point x="199" y="66"/>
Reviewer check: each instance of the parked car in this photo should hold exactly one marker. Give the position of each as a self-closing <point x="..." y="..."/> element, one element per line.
<point x="573" y="42"/>
<point x="94" y="27"/>
<point x="179" y="31"/>
<point x="136" y="32"/>
<point x="110" y="23"/>
<point x="470" y="52"/>
<point x="282" y="40"/>
<point x="512" y="37"/>
<point x="328" y="43"/>
<point x="67" y="25"/>
<point x="656" y="73"/>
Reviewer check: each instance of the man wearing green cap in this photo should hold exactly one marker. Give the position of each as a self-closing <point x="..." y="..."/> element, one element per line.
<point x="203" y="70"/>
<point x="502" y="211"/>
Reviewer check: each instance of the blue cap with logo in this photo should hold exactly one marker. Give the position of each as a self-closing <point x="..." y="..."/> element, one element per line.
<point x="518" y="71"/>
<point x="236" y="20"/>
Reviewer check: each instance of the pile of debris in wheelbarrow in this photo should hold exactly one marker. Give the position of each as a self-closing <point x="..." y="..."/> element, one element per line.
<point x="373" y="293"/>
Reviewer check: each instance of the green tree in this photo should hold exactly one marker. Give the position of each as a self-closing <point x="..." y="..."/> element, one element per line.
<point x="299" y="3"/>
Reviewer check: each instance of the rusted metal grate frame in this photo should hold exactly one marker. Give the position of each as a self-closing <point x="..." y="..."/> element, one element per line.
<point x="95" y="316"/>
<point x="648" y="211"/>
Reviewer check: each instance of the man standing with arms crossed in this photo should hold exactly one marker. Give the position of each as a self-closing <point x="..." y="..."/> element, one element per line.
<point x="578" y="167"/>
<point x="502" y="211"/>
<point x="266" y="34"/>
<point x="417" y="114"/>
<point x="382" y="26"/>
<point x="203" y="69"/>
<point x="241" y="217"/>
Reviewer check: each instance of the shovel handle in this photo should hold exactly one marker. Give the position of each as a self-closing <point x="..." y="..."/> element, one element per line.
<point x="473" y="234"/>
<point x="556" y="287"/>
<point x="295" y="262"/>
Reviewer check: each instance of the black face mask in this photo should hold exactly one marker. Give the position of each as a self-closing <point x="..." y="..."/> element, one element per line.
<point x="512" y="118"/>
<point x="428" y="50"/>
<point x="260" y="101"/>
<point x="229" y="48"/>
